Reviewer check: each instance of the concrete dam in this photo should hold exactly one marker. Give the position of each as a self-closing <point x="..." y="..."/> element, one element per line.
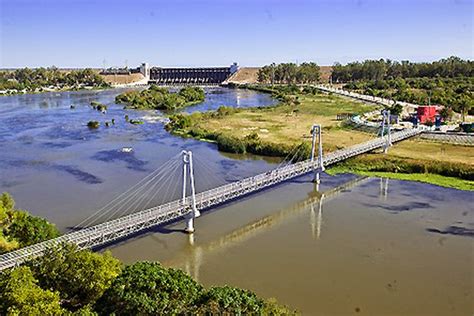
<point x="191" y="76"/>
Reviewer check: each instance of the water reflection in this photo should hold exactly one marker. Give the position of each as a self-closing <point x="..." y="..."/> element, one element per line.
<point x="383" y="189"/>
<point x="194" y="252"/>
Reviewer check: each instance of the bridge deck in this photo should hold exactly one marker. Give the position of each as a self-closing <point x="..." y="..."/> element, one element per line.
<point x="107" y="232"/>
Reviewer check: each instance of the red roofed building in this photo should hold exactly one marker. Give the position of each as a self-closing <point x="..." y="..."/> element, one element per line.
<point x="427" y="113"/>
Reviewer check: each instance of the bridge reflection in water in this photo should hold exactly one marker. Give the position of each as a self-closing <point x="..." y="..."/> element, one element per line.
<point x="193" y="258"/>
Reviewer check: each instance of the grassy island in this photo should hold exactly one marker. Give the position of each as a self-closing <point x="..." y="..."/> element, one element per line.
<point x="157" y="98"/>
<point x="275" y="130"/>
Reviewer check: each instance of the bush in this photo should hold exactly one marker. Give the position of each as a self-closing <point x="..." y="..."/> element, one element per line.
<point x="29" y="230"/>
<point x="231" y="301"/>
<point x="20" y="295"/>
<point x="20" y="229"/>
<point x="93" y="124"/>
<point x="147" y="288"/>
<point x="160" y="98"/>
<point x="80" y="276"/>
<point x="135" y="122"/>
<point x="192" y="94"/>
<point x="231" y="144"/>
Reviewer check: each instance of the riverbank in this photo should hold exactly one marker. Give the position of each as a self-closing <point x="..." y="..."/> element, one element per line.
<point x="445" y="165"/>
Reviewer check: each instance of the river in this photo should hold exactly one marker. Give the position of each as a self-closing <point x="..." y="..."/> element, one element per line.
<point x="363" y="246"/>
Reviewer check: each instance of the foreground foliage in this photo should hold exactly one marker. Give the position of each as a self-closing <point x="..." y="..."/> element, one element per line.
<point x="158" y="98"/>
<point x="80" y="276"/>
<point x="19" y="229"/>
<point x="21" y="295"/>
<point x="69" y="281"/>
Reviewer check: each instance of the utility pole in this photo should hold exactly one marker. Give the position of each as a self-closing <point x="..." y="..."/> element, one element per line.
<point x="273" y="74"/>
<point x="189" y="170"/>
<point x="316" y="133"/>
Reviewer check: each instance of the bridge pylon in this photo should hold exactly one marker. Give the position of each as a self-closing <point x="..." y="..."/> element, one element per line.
<point x="317" y="169"/>
<point x="188" y="170"/>
<point x="386" y="120"/>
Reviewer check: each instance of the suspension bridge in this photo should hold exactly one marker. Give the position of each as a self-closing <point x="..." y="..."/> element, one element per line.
<point x="189" y="206"/>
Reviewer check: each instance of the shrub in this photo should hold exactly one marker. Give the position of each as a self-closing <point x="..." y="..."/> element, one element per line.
<point x="147" y="288"/>
<point x="230" y="301"/>
<point x="80" y="276"/>
<point x="20" y="295"/>
<point x="231" y="144"/>
<point x="93" y="124"/>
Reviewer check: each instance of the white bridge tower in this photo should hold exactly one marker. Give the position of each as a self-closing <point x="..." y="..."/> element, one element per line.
<point x="319" y="167"/>
<point x="188" y="170"/>
<point x="386" y="120"/>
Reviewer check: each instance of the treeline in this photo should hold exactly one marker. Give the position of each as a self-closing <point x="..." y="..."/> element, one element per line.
<point x="454" y="93"/>
<point x="387" y="69"/>
<point x="288" y="73"/>
<point x="70" y="281"/>
<point x="33" y="79"/>
<point x="158" y="98"/>
<point x="19" y="228"/>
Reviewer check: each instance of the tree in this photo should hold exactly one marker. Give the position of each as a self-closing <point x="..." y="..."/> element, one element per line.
<point x="28" y="230"/>
<point x="446" y="113"/>
<point x="81" y="276"/>
<point x="20" y="295"/>
<point x="464" y="104"/>
<point x="147" y="288"/>
<point x="20" y="229"/>
<point x="396" y="109"/>
<point x="230" y="301"/>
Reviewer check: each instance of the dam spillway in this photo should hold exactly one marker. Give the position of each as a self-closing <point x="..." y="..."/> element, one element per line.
<point x="164" y="76"/>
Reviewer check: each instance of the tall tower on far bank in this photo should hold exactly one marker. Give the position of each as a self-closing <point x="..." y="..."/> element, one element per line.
<point x="145" y="70"/>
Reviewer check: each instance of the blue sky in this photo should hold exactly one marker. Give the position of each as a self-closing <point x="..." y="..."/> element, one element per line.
<point x="81" y="33"/>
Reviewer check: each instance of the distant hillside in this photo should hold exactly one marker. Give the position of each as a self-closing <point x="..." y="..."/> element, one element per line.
<point x="122" y="79"/>
<point x="244" y="75"/>
<point x="247" y="75"/>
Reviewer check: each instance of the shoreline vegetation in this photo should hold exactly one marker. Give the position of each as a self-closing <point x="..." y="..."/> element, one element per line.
<point x="283" y="129"/>
<point x="454" y="175"/>
<point x="19" y="229"/>
<point x="158" y="98"/>
<point x="67" y="280"/>
<point x="448" y="82"/>
<point x="50" y="79"/>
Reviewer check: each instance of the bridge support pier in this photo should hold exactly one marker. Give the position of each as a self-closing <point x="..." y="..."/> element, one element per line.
<point x="316" y="133"/>
<point x="189" y="170"/>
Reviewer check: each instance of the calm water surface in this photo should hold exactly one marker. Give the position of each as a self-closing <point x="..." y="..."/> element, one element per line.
<point x="354" y="246"/>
